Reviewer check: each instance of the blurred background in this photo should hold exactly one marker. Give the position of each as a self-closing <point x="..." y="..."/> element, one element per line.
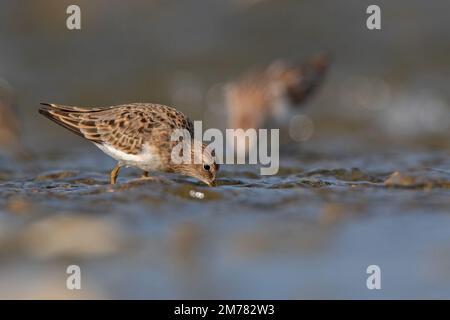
<point x="366" y="182"/>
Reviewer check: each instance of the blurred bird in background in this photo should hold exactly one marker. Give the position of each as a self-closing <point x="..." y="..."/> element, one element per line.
<point x="268" y="98"/>
<point x="10" y="133"/>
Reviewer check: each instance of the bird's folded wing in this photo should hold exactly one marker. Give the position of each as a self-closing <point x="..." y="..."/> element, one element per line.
<point x="125" y="128"/>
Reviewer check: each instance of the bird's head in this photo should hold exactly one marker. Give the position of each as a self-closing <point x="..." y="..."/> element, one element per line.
<point x="202" y="165"/>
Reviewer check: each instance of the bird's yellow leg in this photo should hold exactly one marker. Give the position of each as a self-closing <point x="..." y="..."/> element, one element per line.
<point x="114" y="174"/>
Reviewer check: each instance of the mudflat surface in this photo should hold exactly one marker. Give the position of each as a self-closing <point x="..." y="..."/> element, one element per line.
<point x="310" y="231"/>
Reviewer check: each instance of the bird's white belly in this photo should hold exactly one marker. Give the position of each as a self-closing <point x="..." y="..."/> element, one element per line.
<point x="147" y="160"/>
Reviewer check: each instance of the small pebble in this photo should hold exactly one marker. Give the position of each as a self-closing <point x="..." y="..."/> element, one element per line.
<point x="197" y="194"/>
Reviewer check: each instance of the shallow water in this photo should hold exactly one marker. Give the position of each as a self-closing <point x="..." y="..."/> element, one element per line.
<point x="309" y="232"/>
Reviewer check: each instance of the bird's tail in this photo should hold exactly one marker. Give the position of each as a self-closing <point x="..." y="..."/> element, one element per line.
<point x="65" y="116"/>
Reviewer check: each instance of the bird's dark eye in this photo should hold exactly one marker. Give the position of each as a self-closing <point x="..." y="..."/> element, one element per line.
<point x="206" y="167"/>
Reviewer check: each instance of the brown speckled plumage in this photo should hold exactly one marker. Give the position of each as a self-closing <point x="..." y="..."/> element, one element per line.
<point x="132" y="129"/>
<point x="125" y="127"/>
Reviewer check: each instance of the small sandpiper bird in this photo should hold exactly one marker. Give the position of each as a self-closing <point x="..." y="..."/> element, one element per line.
<point x="136" y="135"/>
<point x="267" y="98"/>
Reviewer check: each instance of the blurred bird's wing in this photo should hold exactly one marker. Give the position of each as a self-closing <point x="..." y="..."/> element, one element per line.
<point x="303" y="80"/>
